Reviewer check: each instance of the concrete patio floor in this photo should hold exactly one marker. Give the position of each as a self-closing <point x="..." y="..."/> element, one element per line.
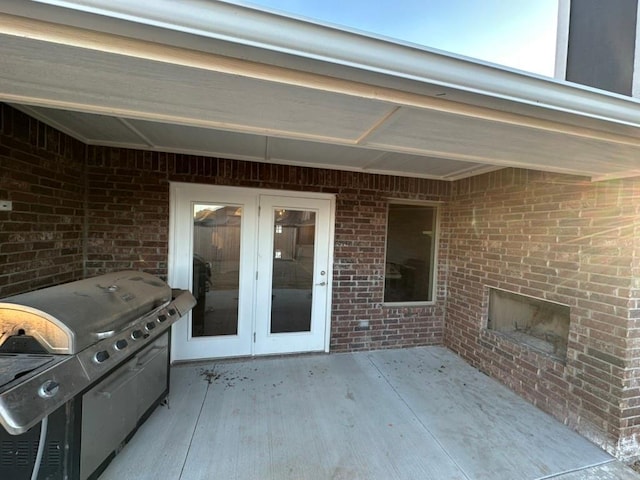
<point x="419" y="413"/>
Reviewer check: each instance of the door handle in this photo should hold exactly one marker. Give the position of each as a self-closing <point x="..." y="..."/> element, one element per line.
<point x="321" y="284"/>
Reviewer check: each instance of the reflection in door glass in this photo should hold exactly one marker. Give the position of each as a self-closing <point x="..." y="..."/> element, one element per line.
<point x="216" y="269"/>
<point x="292" y="281"/>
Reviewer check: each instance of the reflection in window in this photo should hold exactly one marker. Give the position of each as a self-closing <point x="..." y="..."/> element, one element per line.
<point x="410" y="254"/>
<point x="216" y="269"/>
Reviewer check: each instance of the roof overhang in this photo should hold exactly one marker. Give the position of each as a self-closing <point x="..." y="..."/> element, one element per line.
<point x="214" y="78"/>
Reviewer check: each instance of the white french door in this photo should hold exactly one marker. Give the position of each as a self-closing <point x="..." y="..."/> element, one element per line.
<point x="258" y="262"/>
<point x="293" y="281"/>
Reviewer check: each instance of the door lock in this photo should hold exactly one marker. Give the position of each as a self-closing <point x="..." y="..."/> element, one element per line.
<point x="321" y="284"/>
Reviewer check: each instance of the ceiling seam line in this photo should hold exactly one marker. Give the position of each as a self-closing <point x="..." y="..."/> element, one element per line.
<point x="381" y="154"/>
<point x="267" y="148"/>
<point x="137" y="132"/>
<point x="377" y="125"/>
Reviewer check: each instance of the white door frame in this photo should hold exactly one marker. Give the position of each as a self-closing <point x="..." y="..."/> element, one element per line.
<point x="180" y="262"/>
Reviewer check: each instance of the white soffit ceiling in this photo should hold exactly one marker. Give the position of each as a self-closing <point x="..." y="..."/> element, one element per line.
<point x="125" y="91"/>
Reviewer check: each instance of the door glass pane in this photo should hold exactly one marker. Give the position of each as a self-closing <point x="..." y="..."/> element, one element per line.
<point x="216" y="269"/>
<point x="292" y="282"/>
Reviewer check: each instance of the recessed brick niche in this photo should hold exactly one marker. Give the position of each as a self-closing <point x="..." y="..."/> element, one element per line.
<point x="537" y="323"/>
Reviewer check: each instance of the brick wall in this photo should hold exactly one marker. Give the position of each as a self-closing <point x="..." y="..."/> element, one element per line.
<point x="566" y="240"/>
<point x="42" y="173"/>
<point x="128" y="228"/>
<point x="127" y="211"/>
<point x="629" y="440"/>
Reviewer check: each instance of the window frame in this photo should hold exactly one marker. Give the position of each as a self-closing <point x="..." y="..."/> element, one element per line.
<point x="434" y="267"/>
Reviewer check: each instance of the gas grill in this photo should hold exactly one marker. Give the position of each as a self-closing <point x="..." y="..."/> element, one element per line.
<point x="91" y="356"/>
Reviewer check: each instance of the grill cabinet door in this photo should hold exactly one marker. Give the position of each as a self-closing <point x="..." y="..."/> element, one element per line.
<point x="108" y="415"/>
<point x="112" y="409"/>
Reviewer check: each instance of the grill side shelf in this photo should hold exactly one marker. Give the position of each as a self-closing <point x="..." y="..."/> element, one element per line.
<point x="24" y="403"/>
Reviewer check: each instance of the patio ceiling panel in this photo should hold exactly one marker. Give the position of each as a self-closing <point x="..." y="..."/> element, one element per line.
<point x="319" y="154"/>
<point x="361" y="159"/>
<point x="462" y="137"/>
<point x="415" y="164"/>
<point x="200" y="141"/>
<point x="90" y="128"/>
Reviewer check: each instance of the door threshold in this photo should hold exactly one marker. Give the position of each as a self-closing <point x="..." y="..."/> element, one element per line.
<point x="244" y="358"/>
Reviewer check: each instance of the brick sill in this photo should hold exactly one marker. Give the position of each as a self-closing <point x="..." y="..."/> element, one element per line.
<point x="493" y="339"/>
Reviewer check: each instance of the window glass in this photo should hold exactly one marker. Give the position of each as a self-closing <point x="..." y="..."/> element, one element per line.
<point x="410" y="254"/>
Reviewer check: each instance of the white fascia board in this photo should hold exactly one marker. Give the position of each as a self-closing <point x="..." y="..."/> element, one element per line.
<point x="276" y="33"/>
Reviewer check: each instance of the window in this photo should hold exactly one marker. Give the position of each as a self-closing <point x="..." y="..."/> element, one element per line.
<point x="410" y="253"/>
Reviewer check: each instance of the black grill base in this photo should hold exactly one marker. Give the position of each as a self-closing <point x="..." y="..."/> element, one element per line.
<point x="18" y="452"/>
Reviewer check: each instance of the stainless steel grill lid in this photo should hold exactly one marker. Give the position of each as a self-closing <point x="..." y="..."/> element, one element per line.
<point x="67" y="318"/>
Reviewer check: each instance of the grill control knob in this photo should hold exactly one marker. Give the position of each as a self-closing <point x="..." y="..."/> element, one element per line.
<point x="150" y="326"/>
<point x="136" y="334"/>
<point x="48" y="389"/>
<point x="120" y="344"/>
<point x="101" y="356"/>
<point x="172" y="312"/>
<point x="162" y="318"/>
